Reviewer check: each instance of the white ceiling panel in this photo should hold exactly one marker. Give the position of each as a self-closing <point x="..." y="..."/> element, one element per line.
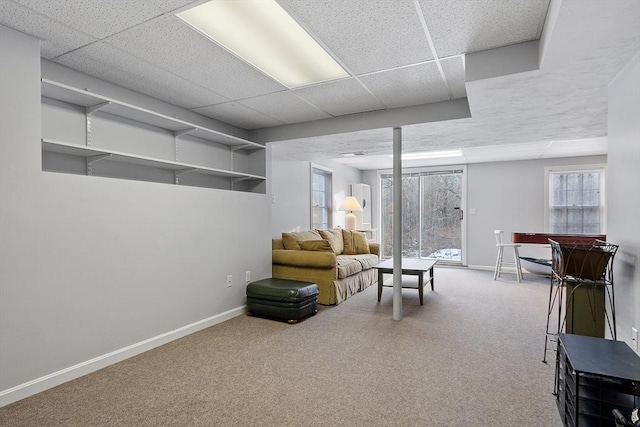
<point x="346" y="96"/>
<point x="56" y="38"/>
<point x="109" y="63"/>
<point x="171" y="5"/>
<point x="463" y="26"/>
<point x="453" y="69"/>
<point x="98" y="19"/>
<point x="418" y="84"/>
<point x="169" y="43"/>
<point x="238" y="115"/>
<point x="366" y="35"/>
<point x="286" y="107"/>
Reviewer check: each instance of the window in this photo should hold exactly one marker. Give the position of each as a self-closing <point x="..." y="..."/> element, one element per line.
<point x="575" y="202"/>
<point x="321" y="196"/>
<point x="432" y="218"/>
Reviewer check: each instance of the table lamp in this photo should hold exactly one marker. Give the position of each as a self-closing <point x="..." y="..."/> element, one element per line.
<point x="350" y="204"/>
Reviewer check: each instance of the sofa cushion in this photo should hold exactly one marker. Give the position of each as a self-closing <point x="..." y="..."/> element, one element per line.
<point x="347" y="266"/>
<point x="290" y="240"/>
<point x="366" y="260"/>
<point x="355" y="242"/>
<point x="334" y="237"/>
<point x="315" y="245"/>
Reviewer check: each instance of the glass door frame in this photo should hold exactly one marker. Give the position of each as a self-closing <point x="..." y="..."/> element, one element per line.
<point x="463" y="205"/>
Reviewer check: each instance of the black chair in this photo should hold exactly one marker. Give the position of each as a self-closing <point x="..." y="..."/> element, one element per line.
<point x="622" y="421"/>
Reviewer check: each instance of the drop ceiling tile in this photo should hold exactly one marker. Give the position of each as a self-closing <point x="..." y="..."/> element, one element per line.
<point x="366" y="35"/>
<point x="340" y="97"/>
<point x="106" y="62"/>
<point x="171" y="5"/>
<point x="453" y="69"/>
<point x="169" y="43"/>
<point x="463" y="26"/>
<point x="238" y="115"/>
<point x="56" y="38"/>
<point x="98" y="19"/>
<point x="402" y="87"/>
<point x="286" y="107"/>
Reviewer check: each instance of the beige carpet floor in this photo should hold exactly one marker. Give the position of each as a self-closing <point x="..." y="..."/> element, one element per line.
<point x="471" y="356"/>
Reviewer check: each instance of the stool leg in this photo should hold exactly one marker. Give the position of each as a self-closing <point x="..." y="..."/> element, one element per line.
<point x="498" y="264"/>
<point x="518" y="267"/>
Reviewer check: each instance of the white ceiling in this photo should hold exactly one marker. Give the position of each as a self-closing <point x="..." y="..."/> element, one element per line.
<point x="399" y="53"/>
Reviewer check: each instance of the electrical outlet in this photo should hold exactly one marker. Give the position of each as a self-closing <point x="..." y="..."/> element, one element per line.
<point x="247" y="276"/>
<point x="634" y="339"/>
<point x="229" y="281"/>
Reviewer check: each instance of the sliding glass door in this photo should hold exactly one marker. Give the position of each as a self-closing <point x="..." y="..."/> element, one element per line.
<point x="432" y="214"/>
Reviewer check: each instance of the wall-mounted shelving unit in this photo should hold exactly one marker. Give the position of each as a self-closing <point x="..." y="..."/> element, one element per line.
<point x="96" y="154"/>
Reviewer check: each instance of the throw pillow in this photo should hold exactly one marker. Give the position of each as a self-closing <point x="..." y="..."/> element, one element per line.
<point x="355" y="242"/>
<point x="315" y="245"/>
<point x="290" y="240"/>
<point x="334" y="237"/>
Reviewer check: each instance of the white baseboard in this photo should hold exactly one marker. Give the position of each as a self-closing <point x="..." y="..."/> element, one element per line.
<point x="483" y="267"/>
<point x="46" y="382"/>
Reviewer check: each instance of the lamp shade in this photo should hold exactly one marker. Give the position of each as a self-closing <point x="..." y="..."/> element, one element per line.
<point x="350" y="203"/>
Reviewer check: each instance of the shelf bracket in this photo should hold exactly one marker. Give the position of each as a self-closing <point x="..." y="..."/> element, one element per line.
<point x="179" y="133"/>
<point x="242" y="178"/>
<point x="240" y="147"/>
<point x="94" y="108"/>
<point x="93" y="159"/>
<point x="180" y="172"/>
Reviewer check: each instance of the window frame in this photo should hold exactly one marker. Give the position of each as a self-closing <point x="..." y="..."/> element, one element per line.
<point x="326" y="172"/>
<point x="599" y="167"/>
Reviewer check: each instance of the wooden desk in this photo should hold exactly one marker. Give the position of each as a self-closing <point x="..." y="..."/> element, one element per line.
<point x="410" y="267"/>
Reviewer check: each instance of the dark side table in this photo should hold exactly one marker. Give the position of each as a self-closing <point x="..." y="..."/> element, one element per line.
<point x="593" y="377"/>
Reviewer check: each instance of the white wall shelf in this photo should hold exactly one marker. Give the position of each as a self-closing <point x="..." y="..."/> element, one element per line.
<point x="122" y="140"/>
<point x="94" y="102"/>
<point x="93" y="154"/>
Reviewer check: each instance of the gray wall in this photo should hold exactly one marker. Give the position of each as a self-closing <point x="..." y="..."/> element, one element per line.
<point x="291" y="190"/>
<point x="90" y="265"/>
<point x="623" y="182"/>
<point x="508" y="196"/>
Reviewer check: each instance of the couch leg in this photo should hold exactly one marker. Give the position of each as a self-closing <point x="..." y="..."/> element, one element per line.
<point x="292" y="321"/>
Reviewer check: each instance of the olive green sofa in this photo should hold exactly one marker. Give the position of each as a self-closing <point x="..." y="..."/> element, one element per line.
<point x="338" y="261"/>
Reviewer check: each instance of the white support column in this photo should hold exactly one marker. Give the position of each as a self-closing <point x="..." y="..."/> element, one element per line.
<point x="397" y="223"/>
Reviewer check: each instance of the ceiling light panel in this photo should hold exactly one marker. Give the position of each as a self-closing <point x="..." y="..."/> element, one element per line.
<point x="267" y="37"/>
<point x="367" y="36"/>
<point x="169" y="44"/>
<point x="487" y="23"/>
<point x="403" y="87"/>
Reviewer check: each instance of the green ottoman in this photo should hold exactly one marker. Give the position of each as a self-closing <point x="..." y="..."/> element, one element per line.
<point x="288" y="300"/>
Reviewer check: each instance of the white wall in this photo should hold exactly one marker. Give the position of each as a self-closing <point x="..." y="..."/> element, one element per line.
<point x="508" y="196"/>
<point x="623" y="185"/>
<point x="290" y="182"/>
<point x="95" y="269"/>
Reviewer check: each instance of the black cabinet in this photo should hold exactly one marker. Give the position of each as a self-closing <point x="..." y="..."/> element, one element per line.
<point x="593" y="377"/>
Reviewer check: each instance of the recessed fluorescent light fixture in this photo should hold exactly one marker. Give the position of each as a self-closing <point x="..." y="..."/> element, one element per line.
<point x="263" y="34"/>
<point x="431" y="155"/>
